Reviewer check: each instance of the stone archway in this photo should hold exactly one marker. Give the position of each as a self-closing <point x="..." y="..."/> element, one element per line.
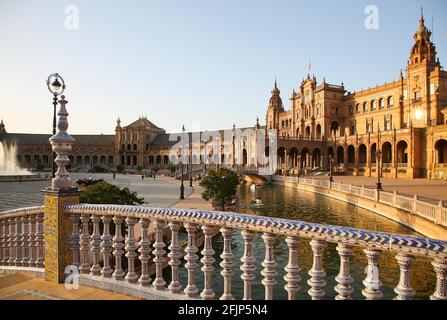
<point x="335" y="127"/>
<point x="305" y="158"/>
<point x="402" y="154"/>
<point x="340" y="155"/>
<point x="318" y="131"/>
<point x="363" y="155"/>
<point x="316" y="159"/>
<point x="387" y="154"/>
<point x="351" y="156"/>
<point x="441" y="153"/>
<point x="293" y="154"/>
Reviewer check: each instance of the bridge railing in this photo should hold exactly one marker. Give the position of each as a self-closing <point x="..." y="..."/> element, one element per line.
<point x="114" y="249"/>
<point x="435" y="213"/>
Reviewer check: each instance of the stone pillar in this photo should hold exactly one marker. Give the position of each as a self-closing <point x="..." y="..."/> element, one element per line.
<point x="356" y="161"/>
<point x="57" y="224"/>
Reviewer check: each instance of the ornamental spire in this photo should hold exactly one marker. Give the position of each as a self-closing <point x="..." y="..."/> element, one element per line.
<point x="62" y="143"/>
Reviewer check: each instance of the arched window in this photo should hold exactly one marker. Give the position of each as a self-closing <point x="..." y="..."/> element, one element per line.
<point x="351" y="110"/>
<point x="390" y="101"/>
<point x="373" y="105"/>
<point x="357" y="108"/>
<point x="365" y="107"/>
<point x="381" y="103"/>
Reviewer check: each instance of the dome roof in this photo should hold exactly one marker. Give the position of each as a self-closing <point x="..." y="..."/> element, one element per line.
<point x="276" y="100"/>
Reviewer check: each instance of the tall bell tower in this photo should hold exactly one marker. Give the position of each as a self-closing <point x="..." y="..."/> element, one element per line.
<point x="422" y="80"/>
<point x="274" y="109"/>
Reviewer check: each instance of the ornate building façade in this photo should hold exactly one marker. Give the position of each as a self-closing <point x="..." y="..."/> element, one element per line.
<point x="406" y="120"/>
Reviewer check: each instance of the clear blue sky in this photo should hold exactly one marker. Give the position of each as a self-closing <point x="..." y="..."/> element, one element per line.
<point x="179" y="62"/>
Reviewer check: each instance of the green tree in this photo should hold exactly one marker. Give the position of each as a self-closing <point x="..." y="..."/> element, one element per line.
<point x="155" y="169"/>
<point x="139" y="169"/>
<point x="220" y="186"/>
<point x="172" y="168"/>
<point x="119" y="168"/>
<point x="105" y="193"/>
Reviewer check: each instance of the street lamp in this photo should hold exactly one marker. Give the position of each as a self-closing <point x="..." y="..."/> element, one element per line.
<point x="182" y="186"/>
<point x="379" y="184"/>
<point x="190" y="163"/>
<point x="56" y="86"/>
<point x="331" y="163"/>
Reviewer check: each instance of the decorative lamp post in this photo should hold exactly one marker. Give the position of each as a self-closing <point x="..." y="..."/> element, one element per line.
<point x="182" y="187"/>
<point x="62" y="143"/>
<point x="56" y="86"/>
<point x="190" y="163"/>
<point x="331" y="163"/>
<point x="205" y="158"/>
<point x="379" y="183"/>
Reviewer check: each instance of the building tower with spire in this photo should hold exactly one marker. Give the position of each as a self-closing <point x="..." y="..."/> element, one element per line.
<point x="274" y="109"/>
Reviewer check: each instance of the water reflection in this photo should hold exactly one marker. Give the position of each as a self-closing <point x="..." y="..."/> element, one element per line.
<point x="298" y="205"/>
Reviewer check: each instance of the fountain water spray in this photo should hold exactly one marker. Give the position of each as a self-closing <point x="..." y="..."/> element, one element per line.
<point x="8" y="161"/>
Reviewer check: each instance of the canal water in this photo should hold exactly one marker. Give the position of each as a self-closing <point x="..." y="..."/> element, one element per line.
<point x="293" y="204"/>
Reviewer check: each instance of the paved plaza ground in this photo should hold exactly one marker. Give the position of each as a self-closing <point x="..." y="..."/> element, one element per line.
<point x="161" y="192"/>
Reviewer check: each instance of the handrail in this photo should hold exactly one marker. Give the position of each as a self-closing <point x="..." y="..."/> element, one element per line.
<point x="21" y="212"/>
<point x="329" y="233"/>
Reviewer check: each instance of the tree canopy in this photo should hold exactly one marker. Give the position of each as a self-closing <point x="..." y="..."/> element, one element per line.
<point x="220" y="186"/>
<point x="105" y="193"/>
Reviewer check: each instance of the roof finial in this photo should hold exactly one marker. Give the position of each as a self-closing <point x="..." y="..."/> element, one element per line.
<point x="310" y="66"/>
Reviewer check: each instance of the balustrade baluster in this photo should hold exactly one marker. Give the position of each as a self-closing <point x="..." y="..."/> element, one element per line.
<point x="11" y="244"/>
<point x="440" y="266"/>
<point x="292" y="277"/>
<point x="344" y="279"/>
<point x="32" y="241"/>
<point x="144" y="250"/>
<point x="159" y="283"/>
<point x="118" y="246"/>
<point x="8" y="242"/>
<point x="269" y="265"/>
<point x="39" y="242"/>
<point x="208" y="260"/>
<point x="74" y="238"/>
<point x="18" y="242"/>
<point x="191" y="289"/>
<point x="248" y="263"/>
<point x="372" y="282"/>
<point x="95" y="244"/>
<point x="404" y="290"/>
<point x="84" y="245"/>
<point x="106" y="247"/>
<point x="317" y="274"/>
<point x="131" y="276"/>
<point x="174" y="257"/>
<point x="25" y="241"/>
<point x="2" y="245"/>
<point x="227" y="263"/>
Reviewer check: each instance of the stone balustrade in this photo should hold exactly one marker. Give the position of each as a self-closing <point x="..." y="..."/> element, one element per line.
<point x="435" y="213"/>
<point x="22" y="238"/>
<point x="100" y="255"/>
<point x="210" y="223"/>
